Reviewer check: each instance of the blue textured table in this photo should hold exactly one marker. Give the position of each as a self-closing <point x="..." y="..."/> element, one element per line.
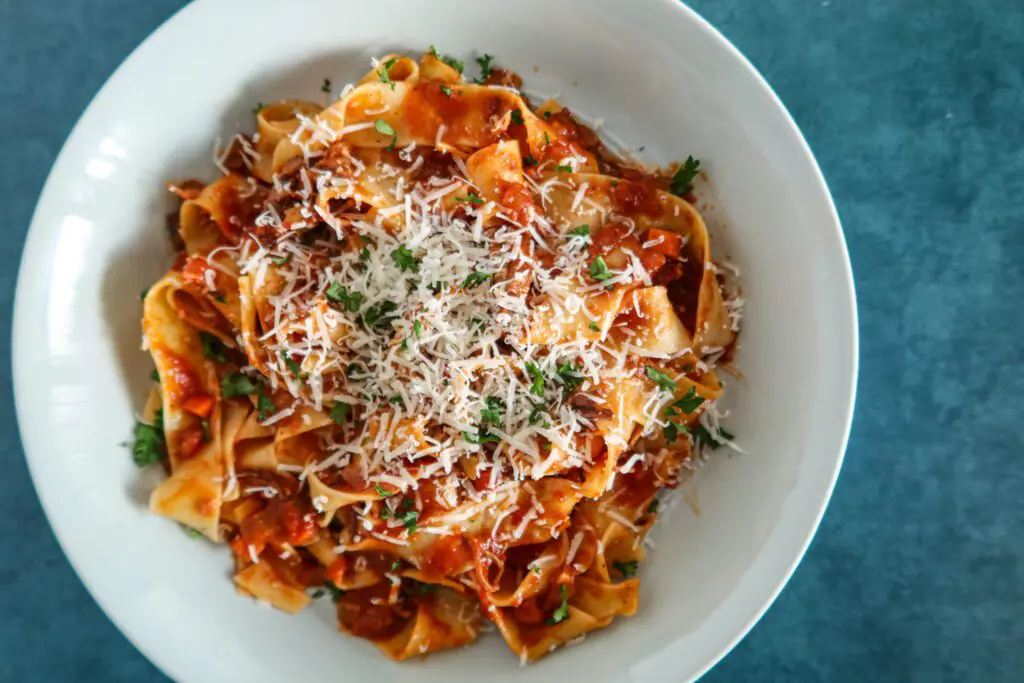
<point x="915" y="110"/>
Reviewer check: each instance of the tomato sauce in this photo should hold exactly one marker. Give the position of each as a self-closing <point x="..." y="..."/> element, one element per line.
<point x="180" y="380"/>
<point x="449" y="556"/>
<point x="283" y="521"/>
<point x="366" y="613"/>
<point x="637" y="197"/>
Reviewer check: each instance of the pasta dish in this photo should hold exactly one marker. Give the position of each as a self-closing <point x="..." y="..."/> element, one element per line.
<point x="431" y="351"/>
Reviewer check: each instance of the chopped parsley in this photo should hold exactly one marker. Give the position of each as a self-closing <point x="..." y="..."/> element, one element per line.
<point x="664" y="382"/>
<point x="652" y="507"/>
<point x="564" y="168"/>
<point x="517" y="117"/>
<point x="155" y="376"/>
<point x="446" y="90"/>
<point x="682" y="181"/>
<point x="293" y="367"/>
<point x="599" y="270"/>
<point x="492" y="413"/>
<point x="383" y="127"/>
<point x="547" y="115"/>
<point x="282" y="261"/>
<point x="447" y="59"/>
<point x="143" y="293"/>
<point x="538" y="413"/>
<point x="688" y="403"/>
<point x="219" y="298"/>
<point x="192" y="532"/>
<point x="581" y="231"/>
<point x="627" y="569"/>
<point x="473" y="198"/>
<point x="672" y="430"/>
<point x="237" y="384"/>
<point x="349" y="301"/>
<point x="474" y="279"/>
<point x="264" y="406"/>
<point x="382" y="492"/>
<point x="417" y="328"/>
<point x="385" y="77"/>
<point x="404" y="259"/>
<point x="150" y="445"/>
<point x="528" y="160"/>
<point x="702" y="436"/>
<point x="569" y="376"/>
<point x="258" y="108"/>
<point x="354" y="369"/>
<point x="396" y="564"/>
<point x="336" y="593"/>
<point x="340" y="412"/>
<point x="485" y="66"/>
<point x="482" y="436"/>
<point x="562" y="613"/>
<point x="326" y="87"/>
<point x="380" y="316"/>
<point x="409" y="519"/>
<point x="537" y="389"/>
<point x="594" y="327"/>
<point x="364" y="255"/>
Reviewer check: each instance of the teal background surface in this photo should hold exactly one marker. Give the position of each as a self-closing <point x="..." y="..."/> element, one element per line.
<point x="915" y="111"/>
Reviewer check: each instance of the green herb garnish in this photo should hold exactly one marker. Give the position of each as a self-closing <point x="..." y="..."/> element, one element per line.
<point x="385" y="77"/>
<point x="481" y="437"/>
<point x="264" y="406"/>
<point x="349" y="301"/>
<point x="409" y="519"/>
<point x="404" y="259"/>
<point x="492" y="413"/>
<point x="292" y="366"/>
<point x="446" y="90"/>
<point x="582" y="231"/>
<point x="382" y="492"/>
<point x="517" y="117"/>
<point x="474" y="279"/>
<point x="564" y="168"/>
<point x="150" y="445"/>
<point x="599" y="270"/>
<point x="340" y="412"/>
<point x="447" y="59"/>
<point x="664" y="382"/>
<point x="537" y="389"/>
<point x="627" y="569"/>
<point x="336" y="593"/>
<point x="473" y="198"/>
<point x="562" y="613"/>
<point x="485" y="66"/>
<point x="682" y="181"/>
<point x="237" y="384"/>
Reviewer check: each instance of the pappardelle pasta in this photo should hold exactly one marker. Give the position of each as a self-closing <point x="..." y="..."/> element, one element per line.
<point x="432" y="351"/>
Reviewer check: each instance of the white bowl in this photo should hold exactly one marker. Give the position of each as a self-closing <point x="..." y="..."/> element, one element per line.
<point x="659" y="76"/>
